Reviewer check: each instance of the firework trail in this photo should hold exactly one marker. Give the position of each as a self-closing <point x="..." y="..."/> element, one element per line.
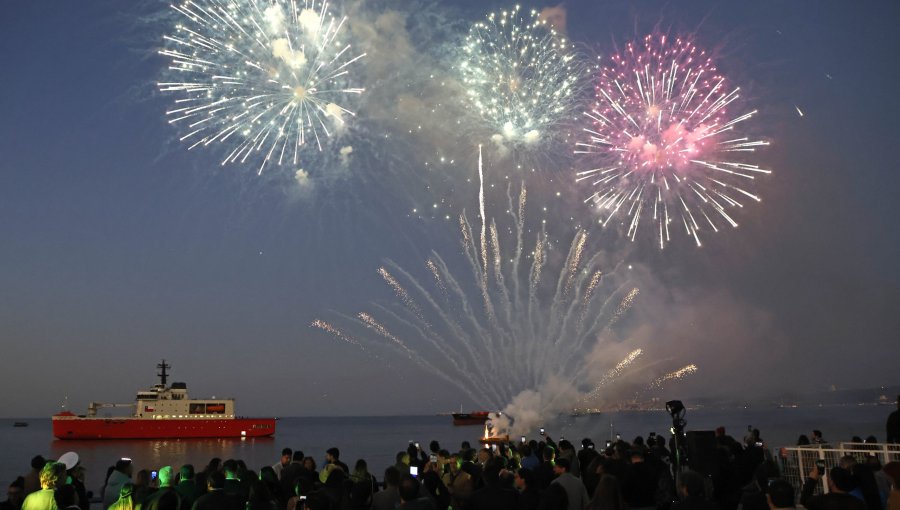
<point x="625" y="305"/>
<point x="265" y="79"/>
<point x="337" y="333"/>
<point x="432" y="268"/>
<point x="539" y="333"/>
<point x="613" y="374"/>
<point x="521" y="77"/>
<point x="681" y="373"/>
<point x="667" y="144"/>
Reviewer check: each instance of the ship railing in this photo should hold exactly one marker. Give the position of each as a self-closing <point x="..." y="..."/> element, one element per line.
<point x="798" y="461"/>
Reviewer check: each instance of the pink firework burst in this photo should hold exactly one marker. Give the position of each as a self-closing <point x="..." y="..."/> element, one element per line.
<point x="665" y="144"/>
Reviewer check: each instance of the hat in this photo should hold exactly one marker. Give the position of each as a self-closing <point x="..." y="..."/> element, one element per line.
<point x="70" y="459"/>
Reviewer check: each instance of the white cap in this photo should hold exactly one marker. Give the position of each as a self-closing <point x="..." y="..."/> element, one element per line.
<point x="70" y="459"/>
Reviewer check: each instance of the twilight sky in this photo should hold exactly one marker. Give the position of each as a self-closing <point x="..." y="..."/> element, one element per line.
<point x="120" y="247"/>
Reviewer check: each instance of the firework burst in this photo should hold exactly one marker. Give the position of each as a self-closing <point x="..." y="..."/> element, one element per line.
<point x="521" y="77"/>
<point x="513" y="320"/>
<point x="668" y="145"/>
<point x="265" y="79"/>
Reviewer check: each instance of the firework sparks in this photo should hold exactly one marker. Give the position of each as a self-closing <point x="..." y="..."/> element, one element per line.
<point x="266" y="79"/>
<point x="668" y="146"/>
<point x="520" y="75"/>
<point x="433" y="269"/>
<point x="625" y="305"/>
<point x="484" y="332"/>
<point x="613" y="373"/>
<point x="681" y="373"/>
<point x="337" y="333"/>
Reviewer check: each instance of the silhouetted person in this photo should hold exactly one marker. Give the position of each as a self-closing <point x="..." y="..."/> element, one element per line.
<point x="576" y="494"/>
<point x="544" y="473"/>
<point x="529" y="495"/>
<point x="15" y="495"/>
<point x="286" y="456"/>
<point x="893" y="425"/>
<point x="120" y="475"/>
<point x="389" y="498"/>
<point x="554" y="498"/>
<point x="259" y="497"/>
<point x="333" y="456"/>
<point x="409" y="495"/>
<point x="780" y="495"/>
<point x="692" y="490"/>
<point x="66" y="497"/>
<point x="33" y="477"/>
<point x="608" y="495"/>
<point x="166" y="491"/>
<point x="840" y="483"/>
<point x="216" y="498"/>
<point x="492" y="496"/>
<point x="639" y="485"/>
<point x="292" y="472"/>
<point x="187" y="487"/>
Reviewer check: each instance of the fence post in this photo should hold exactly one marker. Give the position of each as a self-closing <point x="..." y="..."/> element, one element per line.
<point x="825" y="474"/>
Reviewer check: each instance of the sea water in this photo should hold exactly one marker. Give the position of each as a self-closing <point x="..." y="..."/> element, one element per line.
<point x="379" y="439"/>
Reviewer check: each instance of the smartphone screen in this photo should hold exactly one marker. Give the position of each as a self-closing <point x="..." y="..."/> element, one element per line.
<point x="413" y="470"/>
<point x="153" y="475"/>
<point x="523" y="439"/>
<point x="433" y="458"/>
<point x="542" y="431"/>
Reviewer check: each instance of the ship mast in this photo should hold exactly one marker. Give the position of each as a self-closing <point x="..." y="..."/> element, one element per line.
<point x="162" y="374"/>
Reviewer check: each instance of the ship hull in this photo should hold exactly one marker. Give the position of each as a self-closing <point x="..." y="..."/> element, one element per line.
<point x="474" y="418"/>
<point x="137" y="428"/>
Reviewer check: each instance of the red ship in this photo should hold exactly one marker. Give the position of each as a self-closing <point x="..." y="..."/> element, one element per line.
<point x="162" y="412"/>
<point x="472" y="418"/>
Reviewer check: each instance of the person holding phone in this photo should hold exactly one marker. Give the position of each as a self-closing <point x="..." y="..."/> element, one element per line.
<point x="840" y="483"/>
<point x="166" y="477"/>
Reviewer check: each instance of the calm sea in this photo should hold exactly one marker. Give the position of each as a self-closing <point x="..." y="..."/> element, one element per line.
<point x="378" y="439"/>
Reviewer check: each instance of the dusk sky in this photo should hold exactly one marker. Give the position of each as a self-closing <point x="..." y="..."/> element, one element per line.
<point x="121" y="247"/>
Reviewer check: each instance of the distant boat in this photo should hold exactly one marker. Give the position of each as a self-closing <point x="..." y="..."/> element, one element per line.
<point x="20" y="424"/>
<point x="472" y="418"/>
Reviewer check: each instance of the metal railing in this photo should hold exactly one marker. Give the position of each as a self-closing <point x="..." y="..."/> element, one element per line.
<point x="798" y="461"/>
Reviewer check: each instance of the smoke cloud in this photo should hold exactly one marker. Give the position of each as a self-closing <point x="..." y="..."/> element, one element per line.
<point x="555" y="17"/>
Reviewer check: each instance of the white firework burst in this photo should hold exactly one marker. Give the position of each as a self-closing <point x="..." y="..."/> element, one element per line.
<point x="521" y="77"/>
<point x="266" y="79"/>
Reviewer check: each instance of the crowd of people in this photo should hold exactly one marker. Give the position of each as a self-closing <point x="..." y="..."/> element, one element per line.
<point x="650" y="473"/>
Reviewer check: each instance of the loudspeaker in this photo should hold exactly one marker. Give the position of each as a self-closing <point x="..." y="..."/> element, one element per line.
<point x="701" y="450"/>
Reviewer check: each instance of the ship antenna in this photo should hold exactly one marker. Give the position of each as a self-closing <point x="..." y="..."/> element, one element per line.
<point x="162" y="375"/>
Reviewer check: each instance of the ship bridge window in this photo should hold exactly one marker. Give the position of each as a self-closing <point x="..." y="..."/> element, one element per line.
<point x="215" y="408"/>
<point x="197" y="408"/>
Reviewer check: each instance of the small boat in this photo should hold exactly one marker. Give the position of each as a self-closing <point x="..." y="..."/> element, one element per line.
<point x="20" y="424"/>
